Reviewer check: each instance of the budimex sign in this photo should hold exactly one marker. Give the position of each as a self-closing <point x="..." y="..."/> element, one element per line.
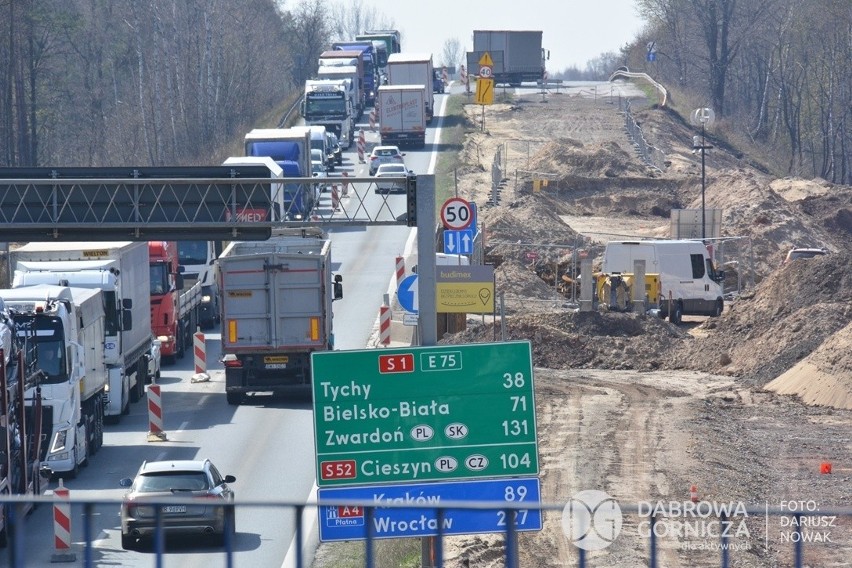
<point x="424" y="413"/>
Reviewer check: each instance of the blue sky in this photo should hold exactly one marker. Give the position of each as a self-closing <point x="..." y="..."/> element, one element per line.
<point x="574" y="31"/>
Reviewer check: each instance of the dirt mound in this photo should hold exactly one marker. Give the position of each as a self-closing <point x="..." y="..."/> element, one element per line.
<point x="585" y="340"/>
<point x="569" y="157"/>
<point x="783" y="320"/>
<point x="823" y="378"/>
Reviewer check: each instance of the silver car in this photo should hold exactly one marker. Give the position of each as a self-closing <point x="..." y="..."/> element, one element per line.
<point x="161" y="480"/>
<point x="394" y="171"/>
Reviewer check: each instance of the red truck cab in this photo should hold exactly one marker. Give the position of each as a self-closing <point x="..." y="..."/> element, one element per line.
<point x="164" y="268"/>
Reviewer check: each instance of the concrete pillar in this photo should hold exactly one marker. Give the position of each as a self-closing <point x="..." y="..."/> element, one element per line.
<point x="587" y="285"/>
<point x="638" y="289"/>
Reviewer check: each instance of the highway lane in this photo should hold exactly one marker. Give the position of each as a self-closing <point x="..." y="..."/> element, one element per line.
<point x="267" y="444"/>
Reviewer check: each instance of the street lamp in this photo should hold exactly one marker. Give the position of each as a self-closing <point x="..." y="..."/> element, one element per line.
<point x="703" y="116"/>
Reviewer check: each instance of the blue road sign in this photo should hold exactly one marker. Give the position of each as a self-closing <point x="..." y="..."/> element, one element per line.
<point x="407" y="294"/>
<point x="348" y="521"/>
<point x="459" y="242"/>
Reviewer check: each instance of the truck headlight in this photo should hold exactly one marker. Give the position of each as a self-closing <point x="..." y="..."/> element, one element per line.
<point x="206" y="298"/>
<point x="59" y="441"/>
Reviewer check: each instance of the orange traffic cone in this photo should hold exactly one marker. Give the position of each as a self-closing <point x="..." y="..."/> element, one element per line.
<point x="693" y="494"/>
<point x="825" y="467"/>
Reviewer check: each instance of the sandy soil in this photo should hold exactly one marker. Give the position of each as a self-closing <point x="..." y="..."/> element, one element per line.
<point x="633" y="405"/>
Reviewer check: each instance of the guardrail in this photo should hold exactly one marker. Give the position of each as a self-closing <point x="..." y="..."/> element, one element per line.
<point x="645" y="77"/>
<point x="652" y="524"/>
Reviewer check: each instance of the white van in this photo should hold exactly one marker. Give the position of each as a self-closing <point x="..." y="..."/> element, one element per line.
<point x="319" y="141"/>
<point x="687" y="274"/>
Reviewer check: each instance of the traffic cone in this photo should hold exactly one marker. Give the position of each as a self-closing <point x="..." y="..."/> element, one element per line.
<point x="693" y="494"/>
<point x="825" y="468"/>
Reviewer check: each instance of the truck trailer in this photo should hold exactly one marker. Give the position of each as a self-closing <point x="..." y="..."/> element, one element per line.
<point x="402" y="114"/>
<point x="175" y="304"/>
<point x="414" y="69"/>
<point x="517" y="55"/>
<point x="276" y="310"/>
<point x="120" y="270"/>
<point x="370" y="71"/>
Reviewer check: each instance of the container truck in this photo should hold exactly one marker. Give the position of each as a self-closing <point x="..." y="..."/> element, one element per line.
<point x="402" y="114"/>
<point x="517" y="55"/>
<point x="291" y="149"/>
<point x="198" y="259"/>
<point x="369" y="73"/>
<point x="120" y="270"/>
<point x="68" y="326"/>
<point x="414" y="69"/>
<point x="329" y="103"/>
<point x="175" y="304"/>
<point x="22" y="472"/>
<point x="276" y="310"/>
<point x="391" y="39"/>
<point x="349" y="74"/>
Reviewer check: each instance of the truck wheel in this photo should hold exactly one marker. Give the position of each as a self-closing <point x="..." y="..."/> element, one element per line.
<point x="718" y="308"/>
<point x="234" y="398"/>
<point x="676" y="313"/>
<point x="128" y="542"/>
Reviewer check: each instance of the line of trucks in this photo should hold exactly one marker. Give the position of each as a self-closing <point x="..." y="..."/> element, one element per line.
<point x="84" y="317"/>
<point x="371" y="70"/>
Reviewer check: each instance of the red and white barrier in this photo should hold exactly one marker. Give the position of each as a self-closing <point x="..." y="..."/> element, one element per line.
<point x="335" y="198"/>
<point x="155" y="415"/>
<point x="373" y="120"/>
<point x="362" y="144"/>
<point x="385" y="325"/>
<point x="400" y="269"/>
<point x="200" y="351"/>
<point x="345" y="184"/>
<point x="62" y="526"/>
<point x="463" y="77"/>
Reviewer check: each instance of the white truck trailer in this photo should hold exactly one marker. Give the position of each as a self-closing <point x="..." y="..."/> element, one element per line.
<point x="276" y="311"/>
<point x="402" y="114"/>
<point x="68" y="326"/>
<point x="120" y="270"/>
<point x="414" y="69"/>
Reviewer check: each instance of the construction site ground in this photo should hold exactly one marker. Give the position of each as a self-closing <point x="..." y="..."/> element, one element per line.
<point x="746" y="407"/>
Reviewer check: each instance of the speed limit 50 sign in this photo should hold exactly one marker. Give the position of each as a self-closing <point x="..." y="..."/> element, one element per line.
<point x="456" y="214"/>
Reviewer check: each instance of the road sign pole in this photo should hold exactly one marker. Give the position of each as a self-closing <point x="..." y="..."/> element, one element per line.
<point x="428" y="327"/>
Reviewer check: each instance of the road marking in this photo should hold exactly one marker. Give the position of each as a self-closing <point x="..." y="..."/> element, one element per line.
<point x="183" y="426"/>
<point x="309" y="530"/>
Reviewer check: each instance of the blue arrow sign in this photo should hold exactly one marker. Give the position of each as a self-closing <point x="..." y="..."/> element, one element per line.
<point x="349" y="522"/>
<point x="458" y="242"/>
<point x="407" y="294"/>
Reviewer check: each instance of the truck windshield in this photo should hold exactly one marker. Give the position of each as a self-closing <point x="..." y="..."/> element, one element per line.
<point x="49" y="354"/>
<point x="192" y="252"/>
<point x="159" y="278"/>
<point x="325" y="105"/>
<point x="51" y="360"/>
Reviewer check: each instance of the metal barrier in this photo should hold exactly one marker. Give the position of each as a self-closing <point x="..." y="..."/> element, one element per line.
<point x="651" y="155"/>
<point x="799" y="517"/>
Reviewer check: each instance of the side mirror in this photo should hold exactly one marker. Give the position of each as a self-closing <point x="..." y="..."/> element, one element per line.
<point x="230" y="479"/>
<point x="337" y="287"/>
<point x="125" y="482"/>
<point x="126" y="320"/>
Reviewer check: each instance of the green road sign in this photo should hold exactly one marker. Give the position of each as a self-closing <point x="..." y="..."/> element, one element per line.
<point x="424" y="413"/>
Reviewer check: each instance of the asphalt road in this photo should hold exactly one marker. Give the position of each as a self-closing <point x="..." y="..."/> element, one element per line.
<point x="267" y="444"/>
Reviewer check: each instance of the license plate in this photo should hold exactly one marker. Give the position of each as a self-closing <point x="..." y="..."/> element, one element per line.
<point x="276" y="366"/>
<point x="275" y="361"/>
<point x="174" y="509"/>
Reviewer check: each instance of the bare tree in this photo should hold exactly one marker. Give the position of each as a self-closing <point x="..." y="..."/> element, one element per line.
<point x="453" y="53"/>
<point x="353" y="18"/>
<point x="309" y="24"/>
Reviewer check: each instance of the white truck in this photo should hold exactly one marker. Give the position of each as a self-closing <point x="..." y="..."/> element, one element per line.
<point x="276" y="311"/>
<point x="414" y="69"/>
<point x="198" y="259"/>
<point x="402" y="114"/>
<point x="276" y="189"/>
<point x="349" y="74"/>
<point x="68" y="326"/>
<point x="329" y="103"/>
<point x="688" y="281"/>
<point x="120" y="270"/>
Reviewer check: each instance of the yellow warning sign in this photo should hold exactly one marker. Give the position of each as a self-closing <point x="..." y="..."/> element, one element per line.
<point x="486" y="60"/>
<point x="464" y="297"/>
<point x="484" y="92"/>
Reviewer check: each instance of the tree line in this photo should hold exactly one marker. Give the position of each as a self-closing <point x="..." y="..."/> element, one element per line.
<point x="777" y="72"/>
<point x="161" y="82"/>
<point x="116" y="82"/>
